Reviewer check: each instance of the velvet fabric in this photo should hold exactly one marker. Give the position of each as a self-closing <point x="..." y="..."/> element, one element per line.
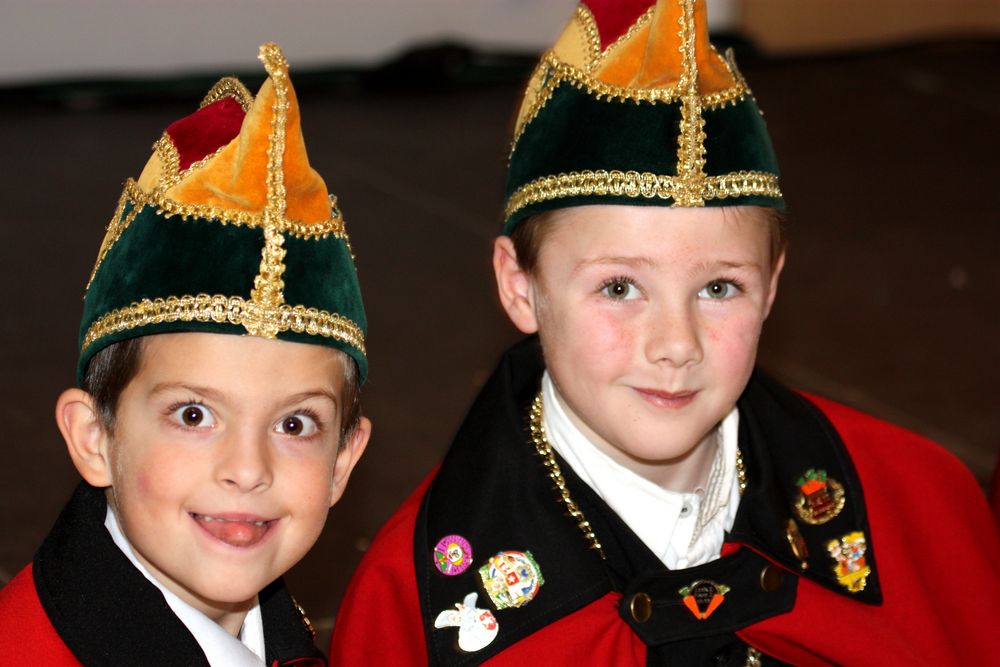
<point x="614" y="17"/>
<point x="736" y="139"/>
<point x="236" y="178"/>
<point x="254" y="163"/>
<point x="160" y="257"/>
<point x="320" y="273"/>
<point x="650" y="57"/>
<point x="575" y="131"/>
<point x="578" y="132"/>
<point x="587" y="109"/>
<point x="206" y="130"/>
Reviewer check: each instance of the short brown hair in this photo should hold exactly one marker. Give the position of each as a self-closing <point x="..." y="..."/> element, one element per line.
<point x="108" y="373"/>
<point x="111" y="369"/>
<point x="529" y="234"/>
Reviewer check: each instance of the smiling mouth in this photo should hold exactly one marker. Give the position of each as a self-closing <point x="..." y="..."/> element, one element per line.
<point x="236" y="531"/>
<point x="667" y="399"/>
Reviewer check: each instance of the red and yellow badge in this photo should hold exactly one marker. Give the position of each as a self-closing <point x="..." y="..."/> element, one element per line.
<point x="849" y="552"/>
<point x="820" y="497"/>
<point x="511" y="578"/>
<point x="703" y="597"/>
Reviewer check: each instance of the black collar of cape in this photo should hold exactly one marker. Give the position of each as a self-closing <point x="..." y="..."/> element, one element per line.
<point x="107" y="612"/>
<point x="493" y="489"/>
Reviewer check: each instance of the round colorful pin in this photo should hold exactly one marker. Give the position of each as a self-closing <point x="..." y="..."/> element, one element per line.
<point x="820" y="498"/>
<point x="511" y="578"/>
<point x="453" y="555"/>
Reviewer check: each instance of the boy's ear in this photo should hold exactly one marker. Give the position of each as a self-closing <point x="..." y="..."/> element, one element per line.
<point x="514" y="286"/>
<point x="86" y="439"/>
<point x="772" y="289"/>
<point x="347" y="457"/>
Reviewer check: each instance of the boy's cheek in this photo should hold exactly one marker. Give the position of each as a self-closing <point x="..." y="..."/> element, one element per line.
<point x="737" y="332"/>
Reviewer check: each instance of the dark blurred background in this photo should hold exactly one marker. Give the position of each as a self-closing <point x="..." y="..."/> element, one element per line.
<point x="884" y="117"/>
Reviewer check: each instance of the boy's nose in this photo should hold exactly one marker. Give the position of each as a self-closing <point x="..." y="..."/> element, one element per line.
<point x="244" y="463"/>
<point x="673" y="338"/>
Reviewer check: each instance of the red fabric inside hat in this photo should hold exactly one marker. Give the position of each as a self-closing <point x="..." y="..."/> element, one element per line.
<point x="615" y="17"/>
<point x="206" y="130"/>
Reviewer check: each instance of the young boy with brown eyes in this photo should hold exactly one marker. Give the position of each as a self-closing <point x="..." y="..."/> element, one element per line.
<point x="217" y="417"/>
<point x="627" y="489"/>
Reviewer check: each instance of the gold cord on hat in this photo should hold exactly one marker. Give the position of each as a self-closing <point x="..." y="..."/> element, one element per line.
<point x="691" y="138"/>
<point x="228" y="86"/>
<point x="268" y="285"/>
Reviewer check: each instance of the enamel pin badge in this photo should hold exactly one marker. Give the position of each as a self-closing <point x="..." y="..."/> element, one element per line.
<point x="511" y="578"/>
<point x="703" y="597"/>
<point x="849" y="552"/>
<point x="453" y="555"/>
<point x="476" y="627"/>
<point x="820" y="498"/>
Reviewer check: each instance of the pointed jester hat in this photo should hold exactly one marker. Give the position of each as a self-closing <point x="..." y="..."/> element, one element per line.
<point x="633" y="105"/>
<point x="228" y="230"/>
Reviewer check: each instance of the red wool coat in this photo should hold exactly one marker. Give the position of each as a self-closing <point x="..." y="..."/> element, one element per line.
<point x="932" y="549"/>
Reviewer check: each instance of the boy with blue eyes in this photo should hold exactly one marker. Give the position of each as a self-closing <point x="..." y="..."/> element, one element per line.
<point x="218" y="416"/>
<point x="627" y="489"/>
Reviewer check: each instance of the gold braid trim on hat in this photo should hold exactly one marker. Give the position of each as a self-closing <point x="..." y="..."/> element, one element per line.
<point x="268" y="285"/>
<point x="552" y="72"/>
<point x="628" y="34"/>
<point x="170" y="160"/>
<point x="640" y="184"/>
<point x="232" y="309"/>
<point x="169" y="208"/>
<point x="691" y="138"/>
<point x="228" y="87"/>
<point x="591" y="36"/>
<point x="119" y="223"/>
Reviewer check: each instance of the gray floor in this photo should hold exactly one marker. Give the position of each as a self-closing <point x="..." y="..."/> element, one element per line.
<point x="890" y="170"/>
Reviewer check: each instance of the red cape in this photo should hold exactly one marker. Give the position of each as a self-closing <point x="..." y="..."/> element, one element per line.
<point x="928" y="522"/>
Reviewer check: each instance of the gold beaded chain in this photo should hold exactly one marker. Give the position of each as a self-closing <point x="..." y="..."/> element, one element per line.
<point x="741" y="471"/>
<point x="305" y="619"/>
<point x="555" y="474"/>
<point x="544" y="450"/>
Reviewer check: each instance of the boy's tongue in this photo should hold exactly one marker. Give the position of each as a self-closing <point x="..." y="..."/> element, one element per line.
<point x="234" y="533"/>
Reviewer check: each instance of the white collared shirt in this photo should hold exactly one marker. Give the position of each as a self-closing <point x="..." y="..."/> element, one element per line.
<point x="681" y="529"/>
<point x="221" y="648"/>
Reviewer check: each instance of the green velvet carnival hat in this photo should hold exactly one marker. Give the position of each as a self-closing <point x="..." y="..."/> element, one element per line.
<point x="228" y="230"/>
<point x="633" y="105"/>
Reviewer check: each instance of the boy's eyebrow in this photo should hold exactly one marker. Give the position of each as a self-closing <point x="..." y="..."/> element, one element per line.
<point x="650" y="263"/>
<point x="215" y="395"/>
<point x="207" y="392"/>
<point x="314" y="393"/>
<point x="627" y="261"/>
<point x="726" y="264"/>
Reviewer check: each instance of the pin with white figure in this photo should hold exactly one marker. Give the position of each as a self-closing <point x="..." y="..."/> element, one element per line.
<point x="476" y="627"/>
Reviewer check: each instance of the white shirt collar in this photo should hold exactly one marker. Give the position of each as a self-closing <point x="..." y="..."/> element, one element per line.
<point x="221" y="648"/>
<point x="681" y="529"/>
